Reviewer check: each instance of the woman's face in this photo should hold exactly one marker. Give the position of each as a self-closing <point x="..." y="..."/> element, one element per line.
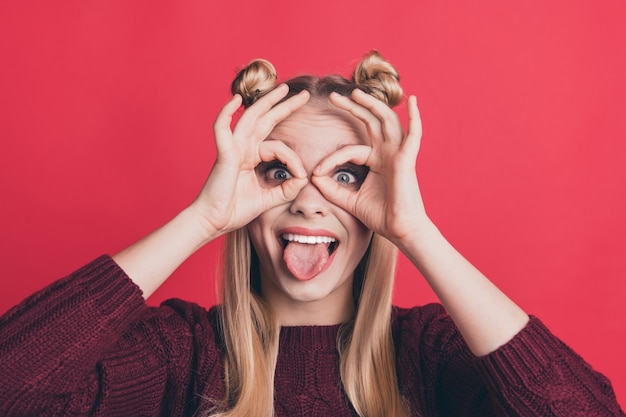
<point x="308" y="248"/>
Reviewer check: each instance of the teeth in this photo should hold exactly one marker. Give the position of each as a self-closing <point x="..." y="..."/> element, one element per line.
<point x="311" y="240"/>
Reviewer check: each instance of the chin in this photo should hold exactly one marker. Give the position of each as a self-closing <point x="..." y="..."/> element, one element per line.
<point x="319" y="289"/>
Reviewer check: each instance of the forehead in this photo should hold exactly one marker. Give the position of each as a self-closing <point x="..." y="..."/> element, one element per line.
<point x="321" y="127"/>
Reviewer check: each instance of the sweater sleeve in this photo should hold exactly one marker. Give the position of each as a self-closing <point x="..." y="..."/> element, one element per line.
<point x="534" y="374"/>
<point x="537" y="374"/>
<point x="88" y="345"/>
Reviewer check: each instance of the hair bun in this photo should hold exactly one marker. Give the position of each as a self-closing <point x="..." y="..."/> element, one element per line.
<point x="255" y="80"/>
<point x="378" y="77"/>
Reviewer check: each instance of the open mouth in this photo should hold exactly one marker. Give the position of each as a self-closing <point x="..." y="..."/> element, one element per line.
<point x="330" y="242"/>
<point x="306" y="256"/>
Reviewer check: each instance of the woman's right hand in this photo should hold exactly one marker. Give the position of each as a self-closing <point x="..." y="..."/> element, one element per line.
<point x="232" y="195"/>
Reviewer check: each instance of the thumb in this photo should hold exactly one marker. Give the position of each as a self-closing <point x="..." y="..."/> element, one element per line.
<point x="287" y="191"/>
<point x="336" y="194"/>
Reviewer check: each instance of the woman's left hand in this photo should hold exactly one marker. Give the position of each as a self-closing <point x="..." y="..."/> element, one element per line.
<point x="389" y="203"/>
<point x="389" y="200"/>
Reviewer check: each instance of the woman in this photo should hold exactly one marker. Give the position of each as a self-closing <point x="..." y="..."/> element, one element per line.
<point x="315" y="188"/>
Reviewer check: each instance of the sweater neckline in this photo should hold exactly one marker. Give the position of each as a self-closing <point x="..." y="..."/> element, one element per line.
<point x="320" y="338"/>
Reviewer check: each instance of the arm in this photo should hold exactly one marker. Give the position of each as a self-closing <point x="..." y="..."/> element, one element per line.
<point x="231" y="197"/>
<point x="87" y="344"/>
<point x="47" y="346"/>
<point x="150" y="261"/>
<point x="66" y="345"/>
<point x="389" y="202"/>
<point x="485" y="316"/>
<point x="534" y="374"/>
<point x="510" y="359"/>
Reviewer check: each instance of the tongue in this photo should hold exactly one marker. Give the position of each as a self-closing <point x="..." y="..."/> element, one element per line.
<point x="305" y="261"/>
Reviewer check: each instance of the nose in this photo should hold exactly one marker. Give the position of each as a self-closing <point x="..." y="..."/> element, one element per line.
<point x="309" y="202"/>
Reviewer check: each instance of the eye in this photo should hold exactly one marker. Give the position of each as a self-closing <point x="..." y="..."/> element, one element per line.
<point x="351" y="175"/>
<point x="277" y="174"/>
<point x="345" y="177"/>
<point x="272" y="173"/>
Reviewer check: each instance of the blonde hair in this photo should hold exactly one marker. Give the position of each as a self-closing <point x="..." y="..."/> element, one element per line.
<point x="250" y="333"/>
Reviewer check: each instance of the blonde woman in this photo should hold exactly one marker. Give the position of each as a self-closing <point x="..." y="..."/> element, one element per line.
<point x="314" y="188"/>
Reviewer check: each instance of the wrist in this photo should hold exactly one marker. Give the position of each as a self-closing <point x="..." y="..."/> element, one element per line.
<point x="151" y="260"/>
<point x="197" y="222"/>
<point x="416" y="240"/>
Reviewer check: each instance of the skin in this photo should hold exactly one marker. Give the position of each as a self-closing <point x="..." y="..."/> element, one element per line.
<point x="388" y="202"/>
<point x="314" y="132"/>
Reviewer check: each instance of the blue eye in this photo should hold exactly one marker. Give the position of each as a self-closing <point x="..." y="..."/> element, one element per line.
<point x="278" y="174"/>
<point x="350" y="175"/>
<point x="272" y="173"/>
<point x="344" y="177"/>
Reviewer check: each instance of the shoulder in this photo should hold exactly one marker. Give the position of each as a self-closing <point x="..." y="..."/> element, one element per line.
<point x="413" y="323"/>
<point x="179" y="339"/>
<point x="185" y="323"/>
<point x="429" y="328"/>
<point x="427" y="343"/>
<point x="177" y="333"/>
<point x="191" y="313"/>
<point x="426" y="335"/>
<point x="401" y="316"/>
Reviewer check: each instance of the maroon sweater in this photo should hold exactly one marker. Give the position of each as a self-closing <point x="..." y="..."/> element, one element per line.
<point x="89" y="345"/>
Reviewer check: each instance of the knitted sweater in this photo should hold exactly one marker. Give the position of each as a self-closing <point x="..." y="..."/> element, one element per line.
<point x="89" y="345"/>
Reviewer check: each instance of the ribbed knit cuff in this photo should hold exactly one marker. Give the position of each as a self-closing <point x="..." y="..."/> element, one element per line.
<point x="523" y="358"/>
<point x="54" y="337"/>
<point x="112" y="290"/>
<point x="537" y="374"/>
<point x="100" y="291"/>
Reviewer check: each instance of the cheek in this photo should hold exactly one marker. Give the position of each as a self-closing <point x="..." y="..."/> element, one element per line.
<point x="260" y="232"/>
<point x="360" y="236"/>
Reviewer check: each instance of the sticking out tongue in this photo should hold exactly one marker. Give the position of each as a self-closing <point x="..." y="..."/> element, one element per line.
<point x="305" y="261"/>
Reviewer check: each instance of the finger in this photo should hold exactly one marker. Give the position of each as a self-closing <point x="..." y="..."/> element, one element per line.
<point x="387" y="117"/>
<point x="258" y="126"/>
<point x="266" y="102"/>
<point x="281" y="111"/>
<point x="292" y="187"/>
<point x="357" y="154"/>
<point x="285" y="192"/>
<point x="269" y="102"/>
<point x="340" y="196"/>
<point x="221" y="126"/>
<point x="359" y="111"/>
<point x="414" y="133"/>
<point x="271" y="150"/>
<point x="372" y="123"/>
<point x="260" y="107"/>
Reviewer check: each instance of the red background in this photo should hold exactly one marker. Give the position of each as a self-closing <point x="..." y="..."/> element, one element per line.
<point x="106" y="111"/>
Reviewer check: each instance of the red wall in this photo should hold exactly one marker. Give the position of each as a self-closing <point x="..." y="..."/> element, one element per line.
<point x="105" y="124"/>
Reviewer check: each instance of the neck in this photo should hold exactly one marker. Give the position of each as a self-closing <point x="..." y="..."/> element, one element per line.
<point x="312" y="313"/>
<point x="310" y="309"/>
